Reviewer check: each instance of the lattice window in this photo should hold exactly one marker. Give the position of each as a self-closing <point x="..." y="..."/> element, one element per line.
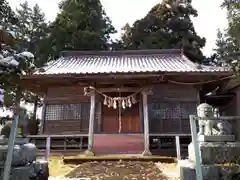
<point x="171" y="110"/>
<point x="188" y="108"/>
<point x="67" y="111"/>
<point x="53" y="112"/>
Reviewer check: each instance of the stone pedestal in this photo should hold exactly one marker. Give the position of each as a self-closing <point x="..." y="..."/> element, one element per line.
<point x="219" y="156"/>
<point x="216" y="152"/>
<point x="219" y="160"/>
<point x="219" y="138"/>
<point x="210" y="172"/>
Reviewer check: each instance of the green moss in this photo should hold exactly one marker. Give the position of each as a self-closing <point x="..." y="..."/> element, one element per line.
<point x="227" y="164"/>
<point x="116" y="157"/>
<point x="83" y="158"/>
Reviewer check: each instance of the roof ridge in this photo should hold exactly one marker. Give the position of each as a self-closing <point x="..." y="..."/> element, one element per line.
<point x="122" y="52"/>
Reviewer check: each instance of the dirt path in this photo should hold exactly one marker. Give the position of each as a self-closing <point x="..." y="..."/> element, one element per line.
<point x="121" y="170"/>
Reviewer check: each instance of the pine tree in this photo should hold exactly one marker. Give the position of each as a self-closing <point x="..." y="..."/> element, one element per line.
<point x="32" y="35"/>
<point x="167" y="25"/>
<point x="81" y="25"/>
<point x="8" y="19"/>
<point x="228" y="45"/>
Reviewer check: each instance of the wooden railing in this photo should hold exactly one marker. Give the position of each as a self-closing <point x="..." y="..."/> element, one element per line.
<point x="63" y="143"/>
<point x="79" y="142"/>
<point x="177" y="141"/>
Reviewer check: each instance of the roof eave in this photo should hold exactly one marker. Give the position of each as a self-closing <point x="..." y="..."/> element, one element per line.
<point x="132" y="74"/>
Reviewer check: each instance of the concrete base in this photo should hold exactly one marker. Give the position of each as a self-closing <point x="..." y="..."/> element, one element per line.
<point x="89" y="153"/>
<point x="216" y="152"/>
<point x="220" y="138"/>
<point x="146" y="153"/>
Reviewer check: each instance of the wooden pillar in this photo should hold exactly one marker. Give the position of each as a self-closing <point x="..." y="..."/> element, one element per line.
<point x="178" y="147"/>
<point x="91" y="123"/>
<point x="48" y="148"/>
<point x="43" y="118"/>
<point x="198" y="90"/>
<point x="146" y="124"/>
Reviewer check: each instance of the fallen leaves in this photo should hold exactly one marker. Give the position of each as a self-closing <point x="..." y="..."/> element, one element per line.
<point x="118" y="170"/>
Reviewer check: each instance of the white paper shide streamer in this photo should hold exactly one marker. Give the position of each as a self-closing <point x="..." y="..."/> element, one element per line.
<point x="115" y="102"/>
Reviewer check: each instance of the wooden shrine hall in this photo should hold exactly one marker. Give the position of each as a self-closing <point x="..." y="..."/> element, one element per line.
<point x="120" y="101"/>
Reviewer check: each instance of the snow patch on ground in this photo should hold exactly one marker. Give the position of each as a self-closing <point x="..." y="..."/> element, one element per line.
<point x="169" y="170"/>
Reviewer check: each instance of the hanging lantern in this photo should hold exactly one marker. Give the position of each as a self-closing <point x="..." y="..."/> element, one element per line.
<point x="134" y="101"/>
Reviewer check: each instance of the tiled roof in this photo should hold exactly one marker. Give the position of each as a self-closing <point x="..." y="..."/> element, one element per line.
<point x="131" y="61"/>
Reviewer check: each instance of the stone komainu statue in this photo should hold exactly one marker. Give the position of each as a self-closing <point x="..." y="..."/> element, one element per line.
<point x="207" y="126"/>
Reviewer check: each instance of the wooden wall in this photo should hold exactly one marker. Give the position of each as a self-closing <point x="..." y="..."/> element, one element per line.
<point x="65" y="95"/>
<point x="174" y="96"/>
<point x="171" y="92"/>
<point x="170" y="106"/>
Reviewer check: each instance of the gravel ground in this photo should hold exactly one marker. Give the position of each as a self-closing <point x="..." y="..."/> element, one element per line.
<point x="120" y="170"/>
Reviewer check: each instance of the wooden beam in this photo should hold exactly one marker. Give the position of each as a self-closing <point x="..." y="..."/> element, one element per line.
<point x="146" y="124"/>
<point x="126" y="75"/>
<point x="91" y="124"/>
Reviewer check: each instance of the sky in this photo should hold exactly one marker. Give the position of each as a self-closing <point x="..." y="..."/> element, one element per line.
<point x="210" y="16"/>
